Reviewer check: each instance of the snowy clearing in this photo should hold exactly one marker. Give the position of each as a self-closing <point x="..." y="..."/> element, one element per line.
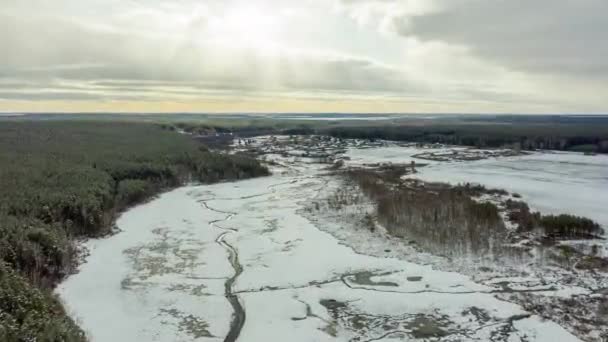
<point x="241" y="261"/>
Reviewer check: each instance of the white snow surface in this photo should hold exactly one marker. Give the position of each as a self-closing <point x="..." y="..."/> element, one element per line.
<point x="161" y="278"/>
<point x="555" y="182"/>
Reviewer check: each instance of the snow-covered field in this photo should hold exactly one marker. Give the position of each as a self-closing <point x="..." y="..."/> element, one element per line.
<point x="204" y="262"/>
<point x="553" y="182"/>
<point x="550" y="182"/>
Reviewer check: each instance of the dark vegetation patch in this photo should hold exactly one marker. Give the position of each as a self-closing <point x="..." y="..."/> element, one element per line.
<point x="592" y="263"/>
<point x="433" y="214"/>
<point x="62" y="180"/>
<point x="587" y="315"/>
<point x="333" y="305"/>
<point x="569" y="227"/>
<point x="425" y="327"/>
<point x="450" y="220"/>
<point x="366" y="325"/>
<point x="528" y="132"/>
<point x="554" y="227"/>
<point x="365" y="278"/>
<point x="525" y="136"/>
<point x="28" y="313"/>
<point x="569" y="255"/>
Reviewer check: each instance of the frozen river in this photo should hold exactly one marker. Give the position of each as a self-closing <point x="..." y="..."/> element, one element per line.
<point x="238" y="260"/>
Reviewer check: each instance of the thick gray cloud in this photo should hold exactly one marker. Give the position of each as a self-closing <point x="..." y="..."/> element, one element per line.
<point x="547" y="36"/>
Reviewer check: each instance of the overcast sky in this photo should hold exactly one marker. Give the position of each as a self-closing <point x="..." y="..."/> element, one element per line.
<point x="490" y="56"/>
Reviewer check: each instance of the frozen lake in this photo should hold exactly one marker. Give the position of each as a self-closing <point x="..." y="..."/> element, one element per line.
<point x="550" y="182"/>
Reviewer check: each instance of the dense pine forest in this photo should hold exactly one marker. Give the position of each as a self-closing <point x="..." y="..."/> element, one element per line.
<point x="580" y="137"/>
<point x="520" y="135"/>
<point x="528" y="132"/>
<point x="63" y="180"/>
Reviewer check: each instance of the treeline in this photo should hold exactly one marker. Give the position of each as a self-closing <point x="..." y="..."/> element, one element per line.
<point x="249" y="128"/>
<point x="564" y="137"/>
<point x="553" y="227"/>
<point x="439" y="217"/>
<point x="224" y="127"/>
<point x="448" y="220"/>
<point x="525" y="135"/>
<point x="61" y="180"/>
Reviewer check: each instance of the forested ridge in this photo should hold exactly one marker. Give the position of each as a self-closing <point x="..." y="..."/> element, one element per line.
<point x="64" y="180"/>
<point x="525" y="134"/>
<point x="564" y="137"/>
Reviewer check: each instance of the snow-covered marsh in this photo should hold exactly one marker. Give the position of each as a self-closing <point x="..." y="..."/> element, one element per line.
<point x="296" y="277"/>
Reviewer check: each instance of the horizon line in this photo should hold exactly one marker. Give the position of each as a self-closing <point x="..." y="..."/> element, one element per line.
<point x="11" y="113"/>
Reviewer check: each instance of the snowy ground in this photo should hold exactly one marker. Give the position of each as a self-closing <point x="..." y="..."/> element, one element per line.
<point x="550" y="182"/>
<point x="205" y="262"/>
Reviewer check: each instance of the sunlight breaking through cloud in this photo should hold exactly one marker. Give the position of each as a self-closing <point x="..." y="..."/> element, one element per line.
<point x="378" y="55"/>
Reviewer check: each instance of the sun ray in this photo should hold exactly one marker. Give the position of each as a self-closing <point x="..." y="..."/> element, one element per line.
<point x="248" y="26"/>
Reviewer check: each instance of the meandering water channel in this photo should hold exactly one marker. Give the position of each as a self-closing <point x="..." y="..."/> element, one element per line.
<point x="237" y="261"/>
